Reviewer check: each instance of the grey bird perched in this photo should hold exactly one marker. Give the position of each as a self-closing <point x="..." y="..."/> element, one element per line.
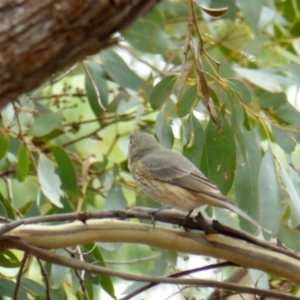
<point x="171" y="179"/>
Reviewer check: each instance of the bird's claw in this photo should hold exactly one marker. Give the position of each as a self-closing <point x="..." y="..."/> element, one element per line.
<point x="153" y="214"/>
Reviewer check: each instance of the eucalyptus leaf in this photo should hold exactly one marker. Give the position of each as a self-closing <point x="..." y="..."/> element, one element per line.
<point x="119" y="71"/>
<point x="185" y="104"/>
<point x="294" y="197"/>
<point x="96" y="87"/>
<point x="196" y="137"/>
<point x="162" y="91"/>
<point x="115" y="199"/>
<point x="66" y="171"/>
<point x="49" y="180"/>
<point x="4" y="145"/>
<point x="268" y="193"/>
<point x="218" y="160"/>
<point x="164" y="131"/>
<point x="246" y="179"/>
<point x="23" y="163"/>
<point x="285" y="139"/>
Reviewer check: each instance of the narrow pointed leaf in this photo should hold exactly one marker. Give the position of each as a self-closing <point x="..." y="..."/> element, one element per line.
<point x="246" y="180"/>
<point x="294" y="197"/>
<point x="185" y="104"/>
<point x="49" y="180"/>
<point x="219" y="155"/>
<point x="162" y="91"/>
<point x="66" y="171"/>
<point x="164" y="131"/>
<point x="23" y="163"/>
<point x="4" y="145"/>
<point x="268" y="193"/>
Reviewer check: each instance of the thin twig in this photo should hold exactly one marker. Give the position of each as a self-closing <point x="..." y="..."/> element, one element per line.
<point x="45" y="276"/>
<point x="19" y="277"/>
<point x="176" y="275"/>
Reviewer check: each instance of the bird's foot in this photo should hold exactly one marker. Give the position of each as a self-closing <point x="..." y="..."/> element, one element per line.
<point x="153" y="213"/>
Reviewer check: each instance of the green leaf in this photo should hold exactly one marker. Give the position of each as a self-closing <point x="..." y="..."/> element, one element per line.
<point x="164" y="131"/>
<point x="255" y="46"/>
<point x="195" y="140"/>
<point x="240" y="90"/>
<point x="33" y="287"/>
<point x="289" y="237"/>
<point x="263" y="79"/>
<point x="127" y="104"/>
<point x="6" y="208"/>
<point x="268" y="194"/>
<point x="218" y="160"/>
<point x="8" y="287"/>
<point x="58" y="273"/>
<point x="66" y="171"/>
<point x="288" y="113"/>
<point x="246" y="180"/>
<point x="285" y="139"/>
<point x="236" y="118"/>
<point x="271" y="101"/>
<point x="46" y="123"/>
<point x="147" y="34"/>
<point x="23" y="163"/>
<point x="295" y="200"/>
<point x="115" y="199"/>
<point x="3" y="212"/>
<point x="251" y="11"/>
<point x="162" y="91"/>
<point x="8" y="259"/>
<point x="277" y="105"/>
<point x="105" y="281"/>
<point x="97" y="74"/>
<point x="49" y="181"/>
<point x="119" y="72"/>
<point x="4" y="145"/>
<point x="185" y="104"/>
<point x="142" y="199"/>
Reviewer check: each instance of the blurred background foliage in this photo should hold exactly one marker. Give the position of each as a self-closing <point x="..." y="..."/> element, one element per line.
<point x="222" y="90"/>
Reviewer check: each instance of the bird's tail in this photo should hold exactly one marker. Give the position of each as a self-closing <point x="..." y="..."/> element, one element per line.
<point x="219" y="200"/>
<point x="241" y="213"/>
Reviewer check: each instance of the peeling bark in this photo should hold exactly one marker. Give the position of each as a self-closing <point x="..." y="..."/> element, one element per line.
<point x="39" y="38"/>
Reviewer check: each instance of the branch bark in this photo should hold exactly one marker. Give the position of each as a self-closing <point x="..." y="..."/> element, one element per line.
<point x="215" y="245"/>
<point x="39" y="38"/>
<point x="55" y="258"/>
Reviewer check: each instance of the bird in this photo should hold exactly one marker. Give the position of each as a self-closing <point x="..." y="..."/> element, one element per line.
<point x="171" y="179"/>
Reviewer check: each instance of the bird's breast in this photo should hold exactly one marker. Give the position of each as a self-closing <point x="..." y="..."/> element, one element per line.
<point x="164" y="192"/>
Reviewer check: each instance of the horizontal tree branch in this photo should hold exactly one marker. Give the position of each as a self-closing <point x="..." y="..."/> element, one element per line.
<point x="55" y="258"/>
<point x="144" y="213"/>
<point x="198" y="243"/>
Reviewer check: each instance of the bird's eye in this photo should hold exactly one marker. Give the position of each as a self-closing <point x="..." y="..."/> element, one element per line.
<point x="130" y="141"/>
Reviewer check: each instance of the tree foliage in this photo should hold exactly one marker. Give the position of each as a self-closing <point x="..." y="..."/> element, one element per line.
<point x="220" y="86"/>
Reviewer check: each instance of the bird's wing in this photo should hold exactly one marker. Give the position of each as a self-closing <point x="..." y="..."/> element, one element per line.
<point x="171" y="167"/>
<point x="175" y="169"/>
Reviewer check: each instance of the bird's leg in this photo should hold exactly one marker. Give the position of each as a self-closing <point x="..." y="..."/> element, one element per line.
<point x="153" y="213"/>
<point x="207" y="228"/>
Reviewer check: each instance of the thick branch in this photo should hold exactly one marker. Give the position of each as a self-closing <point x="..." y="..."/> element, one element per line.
<point x="39" y="38"/>
<point x="215" y="245"/>
<point x="55" y="258"/>
<point x="144" y="213"/>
